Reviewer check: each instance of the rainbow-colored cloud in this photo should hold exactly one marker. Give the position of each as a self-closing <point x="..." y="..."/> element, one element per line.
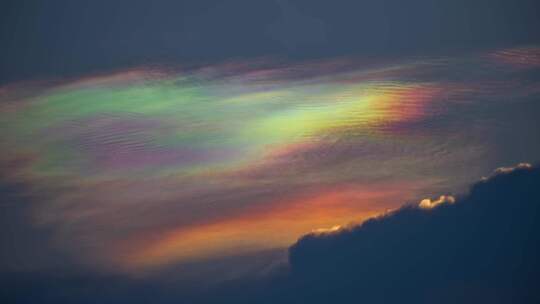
<point x="144" y="168"/>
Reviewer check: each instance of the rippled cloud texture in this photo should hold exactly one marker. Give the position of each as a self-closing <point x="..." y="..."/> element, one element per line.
<point x="140" y="169"/>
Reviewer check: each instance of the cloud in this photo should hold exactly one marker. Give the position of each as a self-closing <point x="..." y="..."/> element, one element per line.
<point x="502" y="170"/>
<point x="430" y="204"/>
<point x="24" y="247"/>
<point x="481" y="247"/>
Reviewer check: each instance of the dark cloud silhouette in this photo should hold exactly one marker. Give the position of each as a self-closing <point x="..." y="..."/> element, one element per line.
<point x="482" y="247"/>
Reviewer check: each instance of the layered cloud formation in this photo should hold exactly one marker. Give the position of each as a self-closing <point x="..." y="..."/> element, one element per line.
<point x="146" y="168"/>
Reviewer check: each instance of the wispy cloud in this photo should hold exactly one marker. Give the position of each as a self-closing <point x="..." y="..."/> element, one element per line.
<point x="132" y="168"/>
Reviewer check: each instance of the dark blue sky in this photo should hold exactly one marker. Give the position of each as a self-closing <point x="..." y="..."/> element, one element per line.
<point x="58" y="38"/>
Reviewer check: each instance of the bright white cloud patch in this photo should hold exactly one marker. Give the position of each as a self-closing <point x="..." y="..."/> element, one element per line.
<point x="430" y="204"/>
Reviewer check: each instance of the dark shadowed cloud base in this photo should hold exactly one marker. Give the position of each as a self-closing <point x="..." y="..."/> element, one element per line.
<point x="481" y="247"/>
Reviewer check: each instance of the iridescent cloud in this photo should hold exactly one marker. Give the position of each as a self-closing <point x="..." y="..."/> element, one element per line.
<point x="145" y="168"/>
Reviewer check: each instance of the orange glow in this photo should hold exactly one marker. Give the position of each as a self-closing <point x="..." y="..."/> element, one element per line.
<point x="266" y="226"/>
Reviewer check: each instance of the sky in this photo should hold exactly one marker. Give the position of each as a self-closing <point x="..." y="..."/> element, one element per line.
<point x="187" y="144"/>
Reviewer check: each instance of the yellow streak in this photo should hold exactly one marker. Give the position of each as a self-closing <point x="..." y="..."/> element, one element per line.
<point x="260" y="227"/>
